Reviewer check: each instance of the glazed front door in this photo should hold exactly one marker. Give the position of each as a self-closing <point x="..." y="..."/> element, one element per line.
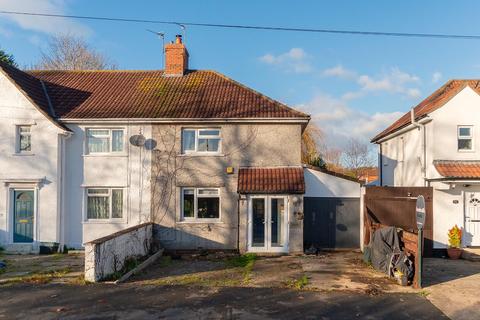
<point x="23" y="216"/>
<point x="268" y="224"/>
<point x="472" y="219"/>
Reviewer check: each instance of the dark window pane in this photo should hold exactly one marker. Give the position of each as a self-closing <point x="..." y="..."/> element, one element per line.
<point x="188" y="205"/>
<point x="208" y="208"/>
<point x="464" y="132"/>
<point x="464" y="144"/>
<point x="117" y="203"/>
<point x="97" y="208"/>
<point x="213" y="144"/>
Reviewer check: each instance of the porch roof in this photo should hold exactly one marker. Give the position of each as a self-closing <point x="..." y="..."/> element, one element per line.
<point x="456" y="169"/>
<point x="273" y="180"/>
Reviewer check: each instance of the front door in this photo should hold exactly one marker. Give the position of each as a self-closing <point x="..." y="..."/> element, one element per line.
<point x="472" y="219"/>
<point x="268" y="224"/>
<point x="23" y="216"/>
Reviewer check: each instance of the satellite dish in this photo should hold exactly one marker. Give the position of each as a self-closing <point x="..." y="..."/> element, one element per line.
<point x="137" y="140"/>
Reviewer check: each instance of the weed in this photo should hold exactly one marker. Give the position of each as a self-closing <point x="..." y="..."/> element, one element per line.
<point x="129" y="264"/>
<point x="41" y="277"/>
<point x="245" y="261"/>
<point x="298" y="284"/>
<point x="423" y="293"/>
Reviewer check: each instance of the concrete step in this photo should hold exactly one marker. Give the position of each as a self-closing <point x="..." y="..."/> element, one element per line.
<point x="471" y="254"/>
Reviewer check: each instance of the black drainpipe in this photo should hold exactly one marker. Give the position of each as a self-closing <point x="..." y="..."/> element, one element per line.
<point x="238" y="224"/>
<point x="380" y="169"/>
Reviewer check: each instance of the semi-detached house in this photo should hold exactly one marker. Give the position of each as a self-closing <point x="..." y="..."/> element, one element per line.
<point x="83" y="154"/>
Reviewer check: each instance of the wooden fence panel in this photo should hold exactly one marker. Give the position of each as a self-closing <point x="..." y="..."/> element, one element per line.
<point x="395" y="206"/>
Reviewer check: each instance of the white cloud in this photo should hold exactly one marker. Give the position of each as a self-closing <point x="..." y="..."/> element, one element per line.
<point x="340" y="122"/>
<point x="295" y="60"/>
<point x="436" y="77"/>
<point x="339" y="72"/>
<point x="43" y="24"/>
<point x="394" y="81"/>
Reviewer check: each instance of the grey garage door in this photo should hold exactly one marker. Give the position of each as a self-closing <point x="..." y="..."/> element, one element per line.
<point x="331" y="223"/>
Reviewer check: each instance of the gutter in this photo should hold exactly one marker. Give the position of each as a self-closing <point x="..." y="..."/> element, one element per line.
<point x="187" y="120"/>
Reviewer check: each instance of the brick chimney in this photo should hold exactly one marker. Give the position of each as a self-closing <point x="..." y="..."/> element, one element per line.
<point x="176" y="58"/>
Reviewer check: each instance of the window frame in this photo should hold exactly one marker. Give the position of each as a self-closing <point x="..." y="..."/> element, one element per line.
<point x="199" y="136"/>
<point x="108" y="194"/>
<point x="18" y="137"/>
<point x="470" y="137"/>
<point x="110" y="137"/>
<point x="195" y="217"/>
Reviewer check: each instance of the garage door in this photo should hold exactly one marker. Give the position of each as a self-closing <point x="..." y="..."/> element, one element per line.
<point x="331" y="223"/>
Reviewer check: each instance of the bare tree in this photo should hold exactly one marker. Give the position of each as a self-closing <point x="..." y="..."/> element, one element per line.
<point x="357" y="156"/>
<point x="70" y="52"/>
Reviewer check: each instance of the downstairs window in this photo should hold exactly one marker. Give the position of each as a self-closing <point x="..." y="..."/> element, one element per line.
<point x="200" y="204"/>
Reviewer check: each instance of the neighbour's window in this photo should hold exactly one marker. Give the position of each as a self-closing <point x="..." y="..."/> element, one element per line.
<point x="201" y="140"/>
<point x="200" y="203"/>
<point x="104" y="203"/>
<point x="24" y="139"/>
<point x="465" y="138"/>
<point x="105" y="140"/>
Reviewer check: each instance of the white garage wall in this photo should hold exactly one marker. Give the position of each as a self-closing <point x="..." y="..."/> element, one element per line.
<point x="324" y="185"/>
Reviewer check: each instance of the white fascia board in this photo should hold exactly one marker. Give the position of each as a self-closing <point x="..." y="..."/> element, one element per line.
<point x="186" y="120"/>
<point x="403" y="130"/>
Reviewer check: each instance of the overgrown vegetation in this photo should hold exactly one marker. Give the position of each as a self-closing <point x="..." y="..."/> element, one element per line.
<point x="130" y="264"/>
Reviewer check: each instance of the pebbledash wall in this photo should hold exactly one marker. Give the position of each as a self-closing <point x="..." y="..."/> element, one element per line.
<point x="255" y="144"/>
<point x="129" y="170"/>
<point x="39" y="170"/>
<point x="403" y="158"/>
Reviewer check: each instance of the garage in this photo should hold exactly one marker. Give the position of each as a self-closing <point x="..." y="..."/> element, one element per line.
<point x="332" y="210"/>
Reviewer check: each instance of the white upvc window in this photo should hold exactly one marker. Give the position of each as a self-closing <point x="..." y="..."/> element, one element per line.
<point x="465" y="138"/>
<point x="204" y="140"/>
<point x="24" y="139"/>
<point x="100" y="140"/>
<point x="104" y="203"/>
<point x="200" y="204"/>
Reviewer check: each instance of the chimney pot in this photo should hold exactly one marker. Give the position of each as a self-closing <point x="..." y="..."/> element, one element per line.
<point x="178" y="38"/>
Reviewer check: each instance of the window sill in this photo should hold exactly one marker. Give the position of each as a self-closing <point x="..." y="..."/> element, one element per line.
<point x="206" y="221"/>
<point x="104" y="222"/>
<point x="465" y="151"/>
<point x="106" y="155"/>
<point x="21" y="154"/>
<point x="201" y="155"/>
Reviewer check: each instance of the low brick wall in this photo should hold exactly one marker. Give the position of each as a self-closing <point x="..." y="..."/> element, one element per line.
<point x="107" y="255"/>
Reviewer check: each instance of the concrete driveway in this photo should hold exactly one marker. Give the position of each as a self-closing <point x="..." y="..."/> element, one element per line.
<point x="454" y="287"/>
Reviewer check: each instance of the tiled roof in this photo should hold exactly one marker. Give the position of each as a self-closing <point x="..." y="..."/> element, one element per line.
<point x="458" y="169"/>
<point x="275" y="180"/>
<point x="430" y="104"/>
<point x="32" y="88"/>
<point x="149" y="94"/>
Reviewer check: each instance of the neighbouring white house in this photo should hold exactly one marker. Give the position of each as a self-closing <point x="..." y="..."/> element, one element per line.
<point x="437" y="144"/>
<point x="84" y="154"/>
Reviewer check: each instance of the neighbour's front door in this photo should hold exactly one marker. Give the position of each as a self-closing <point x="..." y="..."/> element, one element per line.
<point x="268" y="224"/>
<point x="23" y="216"/>
<point x="472" y="219"/>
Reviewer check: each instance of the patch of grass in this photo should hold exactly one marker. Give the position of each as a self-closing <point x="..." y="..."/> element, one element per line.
<point x="424" y="293"/>
<point x="197" y="280"/>
<point x="80" y="281"/>
<point x="40" y="277"/>
<point x="245" y="261"/>
<point x="298" y="284"/>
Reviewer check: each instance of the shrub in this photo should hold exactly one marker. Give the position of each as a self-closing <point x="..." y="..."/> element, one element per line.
<point x="455" y="237"/>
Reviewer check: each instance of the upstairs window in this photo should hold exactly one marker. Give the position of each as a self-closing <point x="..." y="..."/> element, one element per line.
<point x="105" y="140"/>
<point x="201" y="140"/>
<point x="104" y="203"/>
<point x="24" y="139"/>
<point x="200" y="204"/>
<point x="465" y="138"/>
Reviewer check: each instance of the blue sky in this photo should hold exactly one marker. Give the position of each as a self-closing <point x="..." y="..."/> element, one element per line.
<point x="353" y="86"/>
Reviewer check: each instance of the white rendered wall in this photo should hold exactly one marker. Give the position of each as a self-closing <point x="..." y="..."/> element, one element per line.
<point x="129" y="170"/>
<point x="320" y="184"/>
<point x="16" y="109"/>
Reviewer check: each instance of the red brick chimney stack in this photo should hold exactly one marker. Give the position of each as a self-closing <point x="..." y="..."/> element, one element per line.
<point x="176" y="58"/>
